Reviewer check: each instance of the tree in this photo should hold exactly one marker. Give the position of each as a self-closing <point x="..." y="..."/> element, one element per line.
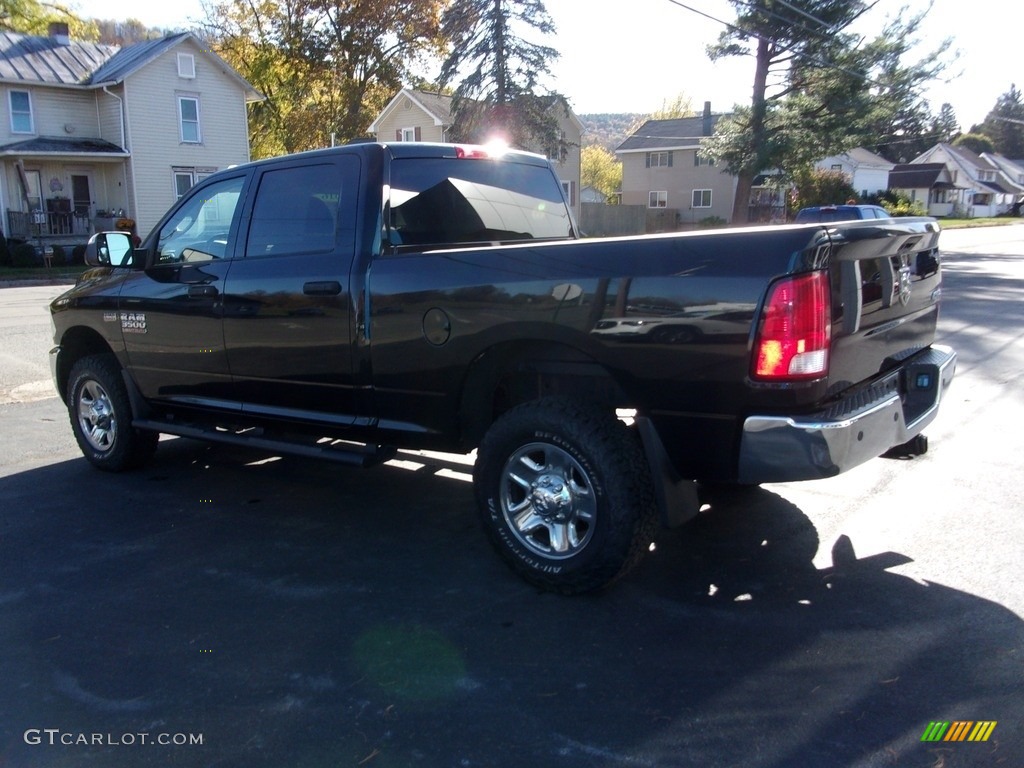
<point x="1004" y="124"/>
<point x="32" y="17"/>
<point x="680" y="106"/>
<point x="499" y="91"/>
<point x="945" y="127"/>
<point x="599" y="169"/>
<point x="818" y="88"/>
<point x="976" y="142"/>
<point x="817" y="186"/>
<point x="326" y="67"/>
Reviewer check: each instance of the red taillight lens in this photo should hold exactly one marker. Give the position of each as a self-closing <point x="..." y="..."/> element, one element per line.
<point x="793" y="340"/>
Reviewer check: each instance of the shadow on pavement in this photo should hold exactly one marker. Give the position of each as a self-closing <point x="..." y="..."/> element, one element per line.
<point x="296" y="614"/>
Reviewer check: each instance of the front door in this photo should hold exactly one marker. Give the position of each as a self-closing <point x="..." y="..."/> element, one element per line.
<point x="171" y="313"/>
<point x="81" y="203"/>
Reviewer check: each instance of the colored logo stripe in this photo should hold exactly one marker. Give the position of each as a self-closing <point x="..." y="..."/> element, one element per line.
<point x="982" y="730"/>
<point x="959" y="730"/>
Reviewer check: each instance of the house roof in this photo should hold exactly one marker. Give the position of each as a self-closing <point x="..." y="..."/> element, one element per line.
<point x="58" y="146"/>
<point x="34" y="59"/>
<point x="49" y="61"/>
<point x="669" y="134"/>
<point x="919" y="176"/>
<point x="863" y="156"/>
<point x="131" y="58"/>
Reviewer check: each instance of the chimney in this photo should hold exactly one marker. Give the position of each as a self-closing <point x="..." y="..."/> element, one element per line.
<point x="58" y="31"/>
<point x="706" y="127"/>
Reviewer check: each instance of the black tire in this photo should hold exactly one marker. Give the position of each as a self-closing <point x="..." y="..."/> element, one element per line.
<point x="101" y="416"/>
<point x="564" y="493"/>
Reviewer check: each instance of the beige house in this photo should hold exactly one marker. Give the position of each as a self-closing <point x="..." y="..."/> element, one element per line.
<point x="91" y="134"/>
<point x="414" y="115"/>
<point x="664" y="170"/>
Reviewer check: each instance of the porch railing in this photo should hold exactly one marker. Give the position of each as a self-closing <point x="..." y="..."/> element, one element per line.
<point x="23" y="225"/>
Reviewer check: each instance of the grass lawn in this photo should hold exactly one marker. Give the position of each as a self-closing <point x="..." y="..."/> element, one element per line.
<point x="1002" y="221"/>
<point x="41" y="273"/>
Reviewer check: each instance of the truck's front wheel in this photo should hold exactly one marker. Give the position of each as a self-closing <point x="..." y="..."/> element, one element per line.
<point x="565" y="494"/>
<point x="101" y="416"/>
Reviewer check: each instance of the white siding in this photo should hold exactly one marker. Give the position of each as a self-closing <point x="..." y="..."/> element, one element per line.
<point x="154" y="138"/>
<point x="52" y="110"/>
<point x="406" y="114"/>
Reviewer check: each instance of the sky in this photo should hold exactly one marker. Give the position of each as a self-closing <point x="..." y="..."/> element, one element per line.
<point x="637" y="55"/>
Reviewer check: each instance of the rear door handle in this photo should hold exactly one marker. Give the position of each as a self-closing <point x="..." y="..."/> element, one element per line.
<point x="322" y="288"/>
<point x="201" y="291"/>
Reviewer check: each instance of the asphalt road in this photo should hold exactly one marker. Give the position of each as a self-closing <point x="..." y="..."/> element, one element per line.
<point x="288" y="613"/>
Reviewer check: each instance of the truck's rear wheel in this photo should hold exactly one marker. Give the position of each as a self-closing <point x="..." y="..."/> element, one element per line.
<point x="564" y="493"/>
<point x="101" y="416"/>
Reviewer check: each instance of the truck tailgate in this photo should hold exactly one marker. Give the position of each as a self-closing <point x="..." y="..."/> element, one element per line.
<point x="886" y="284"/>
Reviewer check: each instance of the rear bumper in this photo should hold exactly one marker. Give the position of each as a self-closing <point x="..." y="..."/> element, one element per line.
<point x="777" y="449"/>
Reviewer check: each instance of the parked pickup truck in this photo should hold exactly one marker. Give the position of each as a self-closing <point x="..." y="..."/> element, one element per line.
<point x="345" y="303"/>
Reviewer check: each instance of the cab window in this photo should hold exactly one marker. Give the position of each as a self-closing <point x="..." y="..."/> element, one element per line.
<point x="198" y="231"/>
<point x="297" y="210"/>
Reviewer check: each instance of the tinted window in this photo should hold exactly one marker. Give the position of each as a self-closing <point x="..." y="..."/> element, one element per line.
<point x="437" y="201"/>
<point x="296" y="211"/>
<point x="198" y="231"/>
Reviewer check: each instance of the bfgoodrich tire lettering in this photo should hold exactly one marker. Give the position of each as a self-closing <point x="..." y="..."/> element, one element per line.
<point x="564" y="494"/>
<point x="101" y="416"/>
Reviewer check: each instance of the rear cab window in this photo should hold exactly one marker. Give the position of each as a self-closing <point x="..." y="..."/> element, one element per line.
<point x="440" y="202"/>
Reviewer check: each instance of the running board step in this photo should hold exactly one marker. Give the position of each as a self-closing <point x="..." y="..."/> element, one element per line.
<point x="342" y="452"/>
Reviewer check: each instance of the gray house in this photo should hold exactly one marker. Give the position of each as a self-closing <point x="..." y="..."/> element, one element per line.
<point x="664" y="170"/>
<point x="93" y="134"/>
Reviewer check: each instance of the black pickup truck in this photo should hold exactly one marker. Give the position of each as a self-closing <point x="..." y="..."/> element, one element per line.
<point x="348" y="302"/>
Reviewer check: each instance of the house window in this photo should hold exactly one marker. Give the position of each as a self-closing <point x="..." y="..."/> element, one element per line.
<point x="659" y="159"/>
<point x="408" y="134"/>
<point x="569" y="187"/>
<point x="186" y="66"/>
<point x="186" y="178"/>
<point x="700" y="159"/>
<point x="657" y="200"/>
<point x="188" y="115"/>
<point x="701" y="198"/>
<point x="837" y="166"/>
<point x="21" y="112"/>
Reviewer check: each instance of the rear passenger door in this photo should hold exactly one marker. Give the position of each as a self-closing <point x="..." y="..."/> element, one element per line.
<point x="288" y="305"/>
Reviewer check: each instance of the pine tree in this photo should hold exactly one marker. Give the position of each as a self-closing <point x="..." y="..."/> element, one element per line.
<point x="819" y="89"/>
<point x="499" y="94"/>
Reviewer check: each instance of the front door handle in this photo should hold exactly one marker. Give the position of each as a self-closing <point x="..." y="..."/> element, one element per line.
<point x="201" y="291"/>
<point x="322" y="288"/>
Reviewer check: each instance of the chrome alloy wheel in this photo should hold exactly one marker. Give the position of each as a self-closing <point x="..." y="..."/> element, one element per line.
<point x="96" y="416"/>
<point x="548" y="501"/>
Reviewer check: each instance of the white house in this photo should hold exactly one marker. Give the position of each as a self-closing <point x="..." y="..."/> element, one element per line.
<point x="982" y="189"/>
<point x="868" y="172"/>
<point x="91" y="134"/>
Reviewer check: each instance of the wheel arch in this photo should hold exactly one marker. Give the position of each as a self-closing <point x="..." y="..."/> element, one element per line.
<point x="76" y="343"/>
<point x="510" y="373"/>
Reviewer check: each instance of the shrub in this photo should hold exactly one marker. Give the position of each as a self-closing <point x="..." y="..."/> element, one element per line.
<point x="60" y="257"/>
<point x="5" y="252"/>
<point x="898" y="204"/>
<point x="711" y="221"/>
<point x="24" y="255"/>
<point x="78" y="254"/>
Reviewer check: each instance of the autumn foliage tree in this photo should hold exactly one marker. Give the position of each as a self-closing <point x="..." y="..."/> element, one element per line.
<point x="326" y="67"/>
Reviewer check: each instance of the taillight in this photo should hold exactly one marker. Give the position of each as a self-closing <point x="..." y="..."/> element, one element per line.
<point x="793" y="339"/>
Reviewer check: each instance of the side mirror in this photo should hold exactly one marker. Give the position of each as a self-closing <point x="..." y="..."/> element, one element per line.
<point x="109" y="249"/>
